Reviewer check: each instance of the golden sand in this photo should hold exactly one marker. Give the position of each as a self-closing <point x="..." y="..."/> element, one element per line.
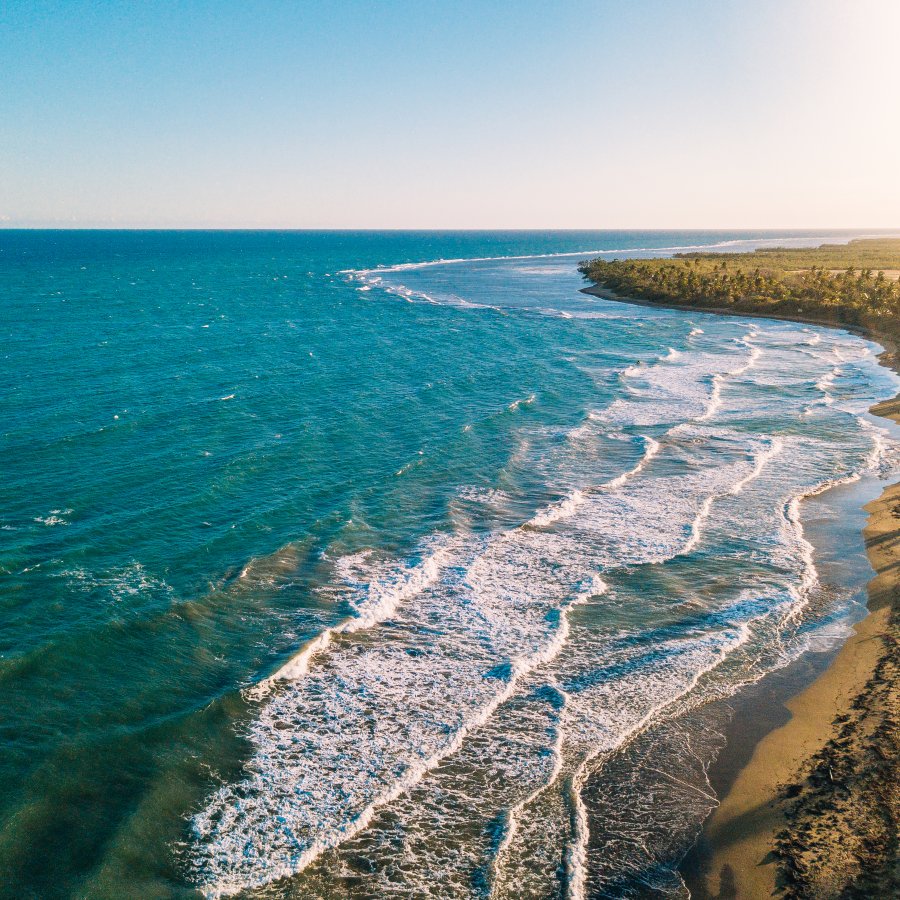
<point x="814" y="812"/>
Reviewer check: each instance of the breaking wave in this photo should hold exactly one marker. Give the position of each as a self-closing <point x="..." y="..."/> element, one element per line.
<point x="478" y="685"/>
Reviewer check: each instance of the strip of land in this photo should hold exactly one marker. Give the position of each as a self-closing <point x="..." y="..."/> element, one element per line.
<point x="815" y="812"/>
<point x="837" y="284"/>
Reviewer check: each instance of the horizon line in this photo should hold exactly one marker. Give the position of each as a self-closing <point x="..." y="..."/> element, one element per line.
<point x="888" y="230"/>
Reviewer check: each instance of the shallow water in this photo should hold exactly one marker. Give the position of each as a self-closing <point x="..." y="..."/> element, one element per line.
<point x="330" y="574"/>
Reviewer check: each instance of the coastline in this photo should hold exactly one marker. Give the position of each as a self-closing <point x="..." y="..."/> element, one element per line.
<point x="812" y="811"/>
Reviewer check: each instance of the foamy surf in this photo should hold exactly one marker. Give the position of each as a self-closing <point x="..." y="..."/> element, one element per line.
<point x="558" y="511"/>
<point x="525" y="401"/>
<point x="506" y="594"/>
<point x="380" y="599"/>
<point x="242" y="519"/>
<point x="324" y="841"/>
<point x="577" y="852"/>
<point x="569" y="505"/>
<point x="511" y="826"/>
<point x="476" y="691"/>
<point x="761" y="459"/>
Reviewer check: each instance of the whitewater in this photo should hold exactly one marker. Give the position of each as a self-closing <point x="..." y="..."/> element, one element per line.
<point x="440" y="739"/>
<point x="391" y="564"/>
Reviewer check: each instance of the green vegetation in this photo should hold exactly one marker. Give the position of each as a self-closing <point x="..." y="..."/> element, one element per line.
<point x="853" y="285"/>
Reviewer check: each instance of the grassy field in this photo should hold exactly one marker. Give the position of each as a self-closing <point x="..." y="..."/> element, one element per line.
<point x="851" y="284"/>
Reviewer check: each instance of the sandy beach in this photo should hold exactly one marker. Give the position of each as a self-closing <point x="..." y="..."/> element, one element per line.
<point x="813" y="811"/>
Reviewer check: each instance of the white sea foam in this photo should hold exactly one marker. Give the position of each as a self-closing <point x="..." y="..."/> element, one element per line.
<point x="651" y="448"/>
<point x="577" y="852"/>
<point x="526" y="401"/>
<point x="515" y="812"/>
<point x="715" y="398"/>
<point x="120" y="584"/>
<point x="884" y="457"/>
<point x="420" y="764"/>
<point x="718" y="380"/>
<point x="378" y="602"/>
<point x="803" y="588"/>
<point x="517" y="655"/>
<point x="760" y="460"/>
<point x="505" y="603"/>
<point x="488" y="496"/>
<point x="682" y="388"/>
<point x="742" y="242"/>
<point x="826" y="383"/>
<point x="641" y="368"/>
<point x="557" y="511"/>
<point x="567" y="507"/>
<point x="51" y="520"/>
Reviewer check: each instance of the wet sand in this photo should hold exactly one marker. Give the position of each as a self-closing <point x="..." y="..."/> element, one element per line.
<point x="810" y="814"/>
<point x="812" y="810"/>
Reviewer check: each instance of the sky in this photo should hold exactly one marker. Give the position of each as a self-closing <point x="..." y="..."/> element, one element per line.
<point x="528" y="114"/>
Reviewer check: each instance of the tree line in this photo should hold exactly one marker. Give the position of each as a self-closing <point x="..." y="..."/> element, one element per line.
<point x="802" y="283"/>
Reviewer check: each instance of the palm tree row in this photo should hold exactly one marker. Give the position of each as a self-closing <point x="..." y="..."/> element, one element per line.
<point x="856" y="296"/>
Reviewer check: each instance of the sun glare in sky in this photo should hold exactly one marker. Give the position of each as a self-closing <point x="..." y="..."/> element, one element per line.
<point x="467" y="114"/>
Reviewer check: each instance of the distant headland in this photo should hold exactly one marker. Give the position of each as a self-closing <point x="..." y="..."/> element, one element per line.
<point x="850" y="285"/>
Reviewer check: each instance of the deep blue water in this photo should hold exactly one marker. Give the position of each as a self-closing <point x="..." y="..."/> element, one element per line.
<point x="521" y="525"/>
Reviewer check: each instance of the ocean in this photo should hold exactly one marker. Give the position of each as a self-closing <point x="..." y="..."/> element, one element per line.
<point x="363" y="564"/>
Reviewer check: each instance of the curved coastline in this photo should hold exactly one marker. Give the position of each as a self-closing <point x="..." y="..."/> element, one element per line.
<point x="812" y="811"/>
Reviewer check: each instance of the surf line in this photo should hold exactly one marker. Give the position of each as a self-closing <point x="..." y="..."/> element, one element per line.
<point x="515" y="812"/>
<point x="597" y="587"/>
<point x="420" y="578"/>
<point x="403" y="267"/>
<point x="569" y="505"/>
<point x="347" y="830"/>
<point x="776" y="445"/>
<point x="793" y="525"/>
<point x="718" y="380"/>
<point x="566" y="507"/>
<point x="428" y="572"/>
<point x="386" y="600"/>
<point x="577" y="858"/>
<point x="576" y="855"/>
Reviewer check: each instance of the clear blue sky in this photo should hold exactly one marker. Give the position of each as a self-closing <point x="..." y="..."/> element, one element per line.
<point x="453" y="114"/>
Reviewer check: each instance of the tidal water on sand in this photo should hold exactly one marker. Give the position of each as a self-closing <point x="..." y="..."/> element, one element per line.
<point x="390" y="564"/>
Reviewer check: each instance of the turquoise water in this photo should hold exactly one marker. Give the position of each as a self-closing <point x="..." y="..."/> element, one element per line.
<point x="327" y="573"/>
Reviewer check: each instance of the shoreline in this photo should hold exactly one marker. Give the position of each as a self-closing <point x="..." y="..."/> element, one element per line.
<point x="889" y="358"/>
<point x="811" y="811"/>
